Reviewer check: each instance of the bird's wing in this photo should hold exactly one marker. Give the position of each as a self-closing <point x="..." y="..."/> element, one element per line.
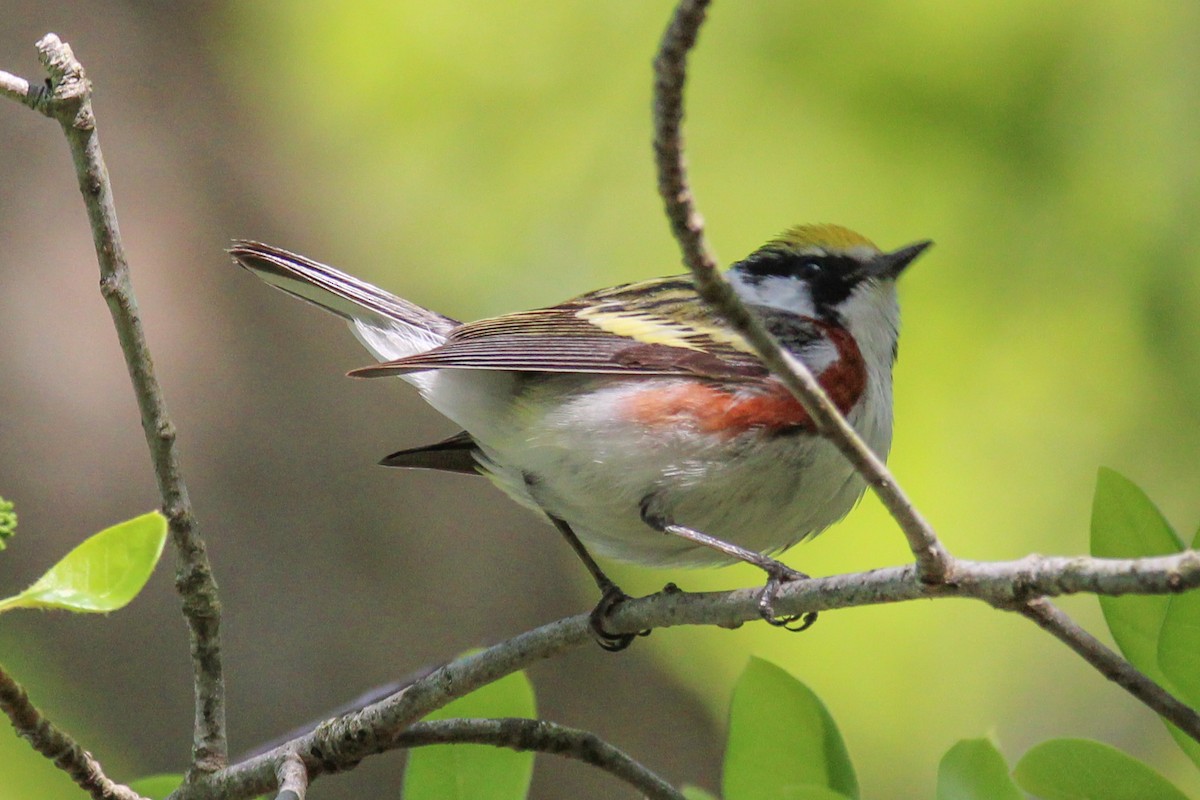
<point x="656" y="327"/>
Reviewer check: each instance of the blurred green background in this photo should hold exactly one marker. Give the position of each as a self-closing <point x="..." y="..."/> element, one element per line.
<point x="481" y="157"/>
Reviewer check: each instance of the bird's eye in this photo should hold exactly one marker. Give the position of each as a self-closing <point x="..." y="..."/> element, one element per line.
<point x="811" y="269"/>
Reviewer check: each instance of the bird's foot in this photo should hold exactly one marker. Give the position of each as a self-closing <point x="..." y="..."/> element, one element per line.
<point x="777" y="575"/>
<point x="610" y="597"/>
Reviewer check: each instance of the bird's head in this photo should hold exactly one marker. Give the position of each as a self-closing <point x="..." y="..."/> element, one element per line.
<point x="830" y="273"/>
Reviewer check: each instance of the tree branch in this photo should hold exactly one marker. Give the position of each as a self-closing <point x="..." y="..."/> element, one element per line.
<point x="670" y="68"/>
<point x="1006" y="585"/>
<point x="57" y="745"/>
<point x="545" y="737"/>
<point x="67" y="98"/>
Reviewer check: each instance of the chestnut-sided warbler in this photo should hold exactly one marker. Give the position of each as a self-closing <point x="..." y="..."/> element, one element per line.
<point x="634" y="417"/>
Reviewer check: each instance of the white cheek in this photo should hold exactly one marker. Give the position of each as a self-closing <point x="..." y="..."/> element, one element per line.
<point x="775" y="291"/>
<point x="872" y="314"/>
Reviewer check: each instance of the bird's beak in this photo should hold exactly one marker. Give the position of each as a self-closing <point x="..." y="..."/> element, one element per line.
<point x="890" y="265"/>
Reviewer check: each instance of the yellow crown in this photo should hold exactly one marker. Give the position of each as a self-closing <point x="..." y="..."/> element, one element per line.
<point x="821" y="237"/>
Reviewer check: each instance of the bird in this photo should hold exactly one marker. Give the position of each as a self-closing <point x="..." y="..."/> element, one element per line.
<point x="635" y="418"/>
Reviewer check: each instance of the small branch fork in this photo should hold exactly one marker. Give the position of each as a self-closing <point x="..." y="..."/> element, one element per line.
<point x="66" y="97"/>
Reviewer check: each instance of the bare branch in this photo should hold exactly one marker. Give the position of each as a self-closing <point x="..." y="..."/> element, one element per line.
<point x="545" y="737"/>
<point x="293" y="778"/>
<point x="670" y="67"/>
<point x="670" y="73"/>
<point x="1052" y="619"/>
<point x="1002" y="584"/>
<point x="57" y="745"/>
<point x="68" y="100"/>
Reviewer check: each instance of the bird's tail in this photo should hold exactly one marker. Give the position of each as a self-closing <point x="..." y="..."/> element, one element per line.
<point x="387" y="325"/>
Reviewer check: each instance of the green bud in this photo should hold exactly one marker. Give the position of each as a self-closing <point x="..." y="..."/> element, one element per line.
<point x="8" y="521"/>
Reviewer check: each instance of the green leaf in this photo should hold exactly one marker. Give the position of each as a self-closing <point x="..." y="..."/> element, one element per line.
<point x="1177" y="664"/>
<point x="974" y="769"/>
<point x="805" y="792"/>
<point x="156" y="787"/>
<point x="1179" y="643"/>
<point x="1126" y="524"/>
<point x="782" y="740"/>
<point x="1082" y="769"/>
<point x="103" y="573"/>
<point x="473" y="771"/>
<point x="8" y="521"/>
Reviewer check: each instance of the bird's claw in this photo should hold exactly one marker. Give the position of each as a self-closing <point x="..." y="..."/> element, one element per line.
<point x="611" y="597"/>
<point x="766" y="601"/>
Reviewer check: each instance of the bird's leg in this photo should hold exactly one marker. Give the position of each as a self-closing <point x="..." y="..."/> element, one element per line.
<point x="778" y="573"/>
<point x="611" y="595"/>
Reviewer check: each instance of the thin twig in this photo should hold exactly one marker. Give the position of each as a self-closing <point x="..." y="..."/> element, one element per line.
<point x="14" y="87"/>
<point x="670" y="73"/>
<point x="670" y="69"/>
<point x="57" y="745"/>
<point x="543" y="737"/>
<point x="293" y="778"/>
<point x="1052" y="619"/>
<point x="68" y="100"/>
